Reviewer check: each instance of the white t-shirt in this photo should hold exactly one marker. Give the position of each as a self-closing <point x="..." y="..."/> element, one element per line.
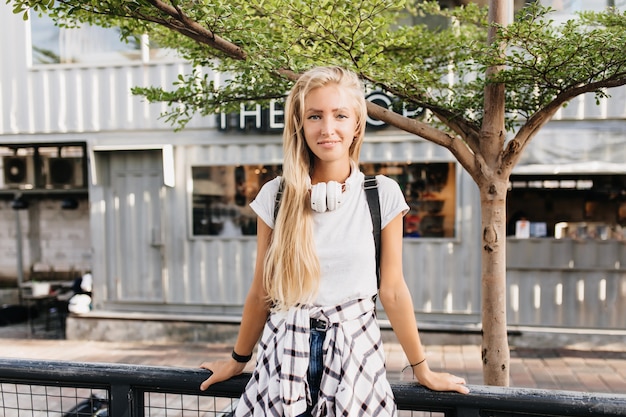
<point x="343" y="237"/>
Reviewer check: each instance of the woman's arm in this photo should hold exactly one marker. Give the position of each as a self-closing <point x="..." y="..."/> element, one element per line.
<point x="255" y="311"/>
<point x="398" y="304"/>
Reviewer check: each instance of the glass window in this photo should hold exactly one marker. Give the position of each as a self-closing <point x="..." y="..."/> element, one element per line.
<point x="87" y="44"/>
<point x="430" y="192"/>
<point x="222" y="194"/>
<point x="221" y="198"/>
<point x="582" y="206"/>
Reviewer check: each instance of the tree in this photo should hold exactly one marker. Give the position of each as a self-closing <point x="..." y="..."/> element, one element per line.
<point x="477" y="78"/>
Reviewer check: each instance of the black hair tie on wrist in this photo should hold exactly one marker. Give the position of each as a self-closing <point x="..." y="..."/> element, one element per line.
<point x="413" y="365"/>
<point x="239" y="358"/>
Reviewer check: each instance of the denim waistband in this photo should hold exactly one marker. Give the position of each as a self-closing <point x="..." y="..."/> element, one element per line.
<point x="319" y="325"/>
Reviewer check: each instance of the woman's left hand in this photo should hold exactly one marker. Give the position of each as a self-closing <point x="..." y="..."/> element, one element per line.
<point x="440" y="381"/>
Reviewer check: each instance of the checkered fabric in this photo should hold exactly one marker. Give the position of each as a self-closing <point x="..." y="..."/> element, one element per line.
<point x="354" y="382"/>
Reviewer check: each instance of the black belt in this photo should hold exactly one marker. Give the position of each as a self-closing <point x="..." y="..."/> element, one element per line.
<point x="319" y="325"/>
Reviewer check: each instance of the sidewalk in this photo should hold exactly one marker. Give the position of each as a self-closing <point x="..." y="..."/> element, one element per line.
<point x="574" y="369"/>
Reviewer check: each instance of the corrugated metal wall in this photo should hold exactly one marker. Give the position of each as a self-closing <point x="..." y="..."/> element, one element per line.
<point x="567" y="283"/>
<point x="86" y="99"/>
<point x="212" y="274"/>
<point x="53" y="99"/>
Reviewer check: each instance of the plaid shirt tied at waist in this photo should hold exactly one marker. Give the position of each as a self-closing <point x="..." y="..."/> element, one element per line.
<point x="354" y="381"/>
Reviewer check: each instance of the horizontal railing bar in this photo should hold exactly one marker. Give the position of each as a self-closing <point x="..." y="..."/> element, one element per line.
<point x="145" y="377"/>
<point x="408" y="395"/>
<point x="513" y="399"/>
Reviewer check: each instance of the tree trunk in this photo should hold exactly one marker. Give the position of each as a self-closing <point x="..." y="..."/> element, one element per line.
<point x="492" y="183"/>
<point x="495" y="345"/>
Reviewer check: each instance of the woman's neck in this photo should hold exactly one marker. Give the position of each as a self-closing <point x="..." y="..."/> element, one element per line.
<point x="324" y="172"/>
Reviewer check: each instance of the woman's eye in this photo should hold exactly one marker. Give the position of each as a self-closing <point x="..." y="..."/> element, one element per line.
<point x="313" y="117"/>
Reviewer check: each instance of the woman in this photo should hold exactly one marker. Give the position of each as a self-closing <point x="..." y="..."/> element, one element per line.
<point x="315" y="278"/>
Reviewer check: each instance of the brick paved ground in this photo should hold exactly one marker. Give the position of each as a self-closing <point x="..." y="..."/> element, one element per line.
<point x="573" y="369"/>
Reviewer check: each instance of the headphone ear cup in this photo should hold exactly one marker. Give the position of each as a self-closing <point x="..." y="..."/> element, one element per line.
<point x="333" y="195"/>
<point x="318" y="197"/>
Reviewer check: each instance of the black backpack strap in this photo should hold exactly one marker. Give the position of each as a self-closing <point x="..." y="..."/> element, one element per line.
<point x="279" y="196"/>
<point x="370" y="185"/>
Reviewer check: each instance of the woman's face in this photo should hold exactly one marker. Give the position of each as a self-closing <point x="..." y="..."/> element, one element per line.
<point x="330" y="123"/>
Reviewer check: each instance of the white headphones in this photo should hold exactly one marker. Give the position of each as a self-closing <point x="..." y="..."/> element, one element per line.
<point x="326" y="196"/>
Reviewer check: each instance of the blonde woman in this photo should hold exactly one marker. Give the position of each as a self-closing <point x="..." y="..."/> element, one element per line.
<point x="311" y="300"/>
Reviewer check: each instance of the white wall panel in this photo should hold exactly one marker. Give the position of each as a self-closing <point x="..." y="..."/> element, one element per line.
<point x="584" y="107"/>
<point x="52" y="99"/>
<point x="74" y="99"/>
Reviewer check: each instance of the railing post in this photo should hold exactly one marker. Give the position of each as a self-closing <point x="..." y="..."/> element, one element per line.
<point x="467" y="412"/>
<point x="138" y="408"/>
<point x="120" y="401"/>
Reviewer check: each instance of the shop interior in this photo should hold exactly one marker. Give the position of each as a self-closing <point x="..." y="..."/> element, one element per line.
<point x="574" y="206"/>
<point x="222" y="194"/>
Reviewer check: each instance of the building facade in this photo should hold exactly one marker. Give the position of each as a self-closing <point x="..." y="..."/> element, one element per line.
<point x="93" y="179"/>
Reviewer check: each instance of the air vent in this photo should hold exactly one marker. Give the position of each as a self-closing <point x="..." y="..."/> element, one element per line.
<point x="19" y="172"/>
<point x="64" y="172"/>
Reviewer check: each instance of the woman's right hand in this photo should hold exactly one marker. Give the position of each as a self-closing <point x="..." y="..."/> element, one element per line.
<point x="221" y="371"/>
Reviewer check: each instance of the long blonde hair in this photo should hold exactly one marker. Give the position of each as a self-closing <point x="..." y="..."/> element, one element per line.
<point x="291" y="268"/>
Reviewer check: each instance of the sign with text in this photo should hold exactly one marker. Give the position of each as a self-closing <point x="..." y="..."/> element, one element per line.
<point x="271" y="118"/>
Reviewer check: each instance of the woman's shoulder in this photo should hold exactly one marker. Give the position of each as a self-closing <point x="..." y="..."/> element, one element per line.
<point x="265" y="201"/>
<point x="271" y="186"/>
<point x="391" y="197"/>
<point x="274" y="182"/>
<point x="386" y="183"/>
<point x="268" y="191"/>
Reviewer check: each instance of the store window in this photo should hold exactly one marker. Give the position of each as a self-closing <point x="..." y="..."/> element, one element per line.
<point x="52" y="44"/>
<point x="430" y="192"/>
<point x="222" y="194"/>
<point x="221" y="198"/>
<point x="574" y="206"/>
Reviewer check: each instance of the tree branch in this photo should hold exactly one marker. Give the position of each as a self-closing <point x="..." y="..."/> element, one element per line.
<point x="515" y="147"/>
<point x="466" y="130"/>
<point x="197" y="32"/>
<point x="453" y="143"/>
<point x="456" y="123"/>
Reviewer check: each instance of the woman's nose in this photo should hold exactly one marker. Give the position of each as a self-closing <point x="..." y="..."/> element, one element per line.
<point x="327" y="127"/>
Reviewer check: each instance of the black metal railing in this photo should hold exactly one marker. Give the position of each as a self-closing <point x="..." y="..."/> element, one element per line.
<point x="57" y="388"/>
